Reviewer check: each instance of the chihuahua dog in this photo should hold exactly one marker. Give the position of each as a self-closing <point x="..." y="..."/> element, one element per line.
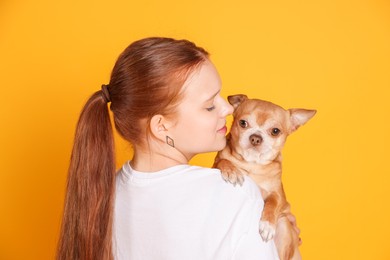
<point x="254" y="144"/>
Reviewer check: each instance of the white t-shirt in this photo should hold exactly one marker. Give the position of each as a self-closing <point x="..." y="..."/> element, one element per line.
<point x="187" y="213"/>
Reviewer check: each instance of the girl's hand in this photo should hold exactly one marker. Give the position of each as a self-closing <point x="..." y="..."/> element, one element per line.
<point x="293" y="222"/>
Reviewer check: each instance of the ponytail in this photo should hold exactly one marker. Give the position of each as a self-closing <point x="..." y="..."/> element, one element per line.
<point x="86" y="231"/>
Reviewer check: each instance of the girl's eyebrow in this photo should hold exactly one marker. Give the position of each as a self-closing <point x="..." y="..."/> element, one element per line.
<point x="213" y="96"/>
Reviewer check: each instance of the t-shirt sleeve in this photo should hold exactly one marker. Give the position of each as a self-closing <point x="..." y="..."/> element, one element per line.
<point x="250" y="245"/>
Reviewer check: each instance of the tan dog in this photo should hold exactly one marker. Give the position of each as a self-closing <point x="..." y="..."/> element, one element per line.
<point x="254" y="146"/>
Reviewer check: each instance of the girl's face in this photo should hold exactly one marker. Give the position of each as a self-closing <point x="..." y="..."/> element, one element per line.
<point x="201" y="123"/>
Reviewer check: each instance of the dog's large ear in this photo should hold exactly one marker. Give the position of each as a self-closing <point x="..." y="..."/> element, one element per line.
<point x="236" y="100"/>
<point x="299" y="117"/>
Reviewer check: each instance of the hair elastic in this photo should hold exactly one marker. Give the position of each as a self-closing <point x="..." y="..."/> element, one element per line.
<point x="106" y="93"/>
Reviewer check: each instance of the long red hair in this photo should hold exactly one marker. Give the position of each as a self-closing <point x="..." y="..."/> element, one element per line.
<point x="147" y="79"/>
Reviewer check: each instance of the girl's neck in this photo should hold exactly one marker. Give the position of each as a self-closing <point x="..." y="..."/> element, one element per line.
<point x="149" y="160"/>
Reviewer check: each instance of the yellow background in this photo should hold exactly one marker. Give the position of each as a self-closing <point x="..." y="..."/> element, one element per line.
<point x="330" y="55"/>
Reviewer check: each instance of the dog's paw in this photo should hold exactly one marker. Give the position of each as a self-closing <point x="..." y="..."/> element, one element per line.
<point x="267" y="230"/>
<point x="232" y="175"/>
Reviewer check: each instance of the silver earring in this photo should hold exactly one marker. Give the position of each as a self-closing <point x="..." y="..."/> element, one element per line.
<point x="170" y="141"/>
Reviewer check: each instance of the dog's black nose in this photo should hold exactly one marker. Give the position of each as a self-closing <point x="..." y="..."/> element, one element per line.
<point x="255" y="139"/>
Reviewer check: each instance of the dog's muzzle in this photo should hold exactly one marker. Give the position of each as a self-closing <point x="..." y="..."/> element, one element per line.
<point x="255" y="139"/>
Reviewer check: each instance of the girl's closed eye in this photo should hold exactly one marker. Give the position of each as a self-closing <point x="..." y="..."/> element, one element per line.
<point x="210" y="108"/>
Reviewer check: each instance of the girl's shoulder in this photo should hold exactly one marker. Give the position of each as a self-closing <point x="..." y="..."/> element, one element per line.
<point x="213" y="176"/>
<point x="189" y="177"/>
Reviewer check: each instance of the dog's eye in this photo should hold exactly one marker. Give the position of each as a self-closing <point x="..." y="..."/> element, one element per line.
<point x="243" y="123"/>
<point x="275" y="131"/>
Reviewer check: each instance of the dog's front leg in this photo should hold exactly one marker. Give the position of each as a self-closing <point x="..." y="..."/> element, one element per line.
<point x="229" y="171"/>
<point x="270" y="215"/>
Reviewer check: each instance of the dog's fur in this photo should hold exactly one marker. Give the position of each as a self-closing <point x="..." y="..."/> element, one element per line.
<point x="254" y="145"/>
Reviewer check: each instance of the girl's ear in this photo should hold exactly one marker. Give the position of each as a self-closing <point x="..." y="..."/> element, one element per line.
<point x="157" y="127"/>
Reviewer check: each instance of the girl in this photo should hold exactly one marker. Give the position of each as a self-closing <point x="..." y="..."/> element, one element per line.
<point x="165" y="98"/>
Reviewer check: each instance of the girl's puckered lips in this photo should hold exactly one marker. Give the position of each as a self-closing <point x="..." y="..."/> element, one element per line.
<point x="222" y="130"/>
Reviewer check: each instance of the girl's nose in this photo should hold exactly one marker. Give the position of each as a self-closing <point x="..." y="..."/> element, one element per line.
<point x="227" y="109"/>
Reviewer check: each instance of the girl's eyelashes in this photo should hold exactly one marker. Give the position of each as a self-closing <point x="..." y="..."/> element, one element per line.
<point x="210" y="108"/>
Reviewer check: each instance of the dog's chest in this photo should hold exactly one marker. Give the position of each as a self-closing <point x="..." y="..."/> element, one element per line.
<point x="268" y="184"/>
